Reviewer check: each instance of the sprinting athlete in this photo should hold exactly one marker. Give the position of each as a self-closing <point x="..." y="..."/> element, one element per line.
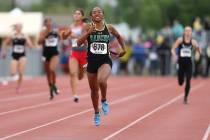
<point x="78" y="57"/>
<point x="18" y="41"/>
<point x="49" y="39"/>
<point x="99" y="64"/>
<point x="185" y="45"/>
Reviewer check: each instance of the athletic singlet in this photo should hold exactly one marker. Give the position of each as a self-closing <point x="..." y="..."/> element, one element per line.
<point x="51" y="41"/>
<point x="18" y="45"/>
<point x="77" y="31"/>
<point x="185" y="50"/>
<point x="98" y="44"/>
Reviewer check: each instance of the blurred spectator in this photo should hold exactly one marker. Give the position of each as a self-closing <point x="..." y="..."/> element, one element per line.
<point x="197" y="26"/>
<point x="65" y="49"/>
<point x="177" y="29"/>
<point x="207" y="61"/>
<point x="164" y="54"/>
<point x="124" y="60"/>
<point x="207" y="28"/>
<point x="167" y="33"/>
<point x="153" y="57"/>
<point x="199" y="33"/>
<point x="64" y="56"/>
<point x="197" y="62"/>
<point x="139" y="56"/>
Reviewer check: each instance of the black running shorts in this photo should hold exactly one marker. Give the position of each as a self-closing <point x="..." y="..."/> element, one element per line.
<point x="49" y="54"/>
<point x="94" y="64"/>
<point x="17" y="56"/>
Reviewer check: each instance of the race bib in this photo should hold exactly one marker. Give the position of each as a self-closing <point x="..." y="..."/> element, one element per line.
<point x="98" y="48"/>
<point x="18" y="48"/>
<point x="74" y="42"/>
<point x="51" y="42"/>
<point x="185" y="52"/>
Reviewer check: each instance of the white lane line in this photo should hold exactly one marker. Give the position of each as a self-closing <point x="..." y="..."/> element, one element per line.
<point x="150" y="113"/>
<point x="37" y="106"/>
<point x="88" y="110"/>
<point x="206" y="135"/>
<point x="23" y="97"/>
<point x="10" y="88"/>
<point x="27" y="87"/>
<point x="36" y="82"/>
<point x="47" y="124"/>
<point x="60" y="101"/>
<point x="36" y="94"/>
<point x="23" y="88"/>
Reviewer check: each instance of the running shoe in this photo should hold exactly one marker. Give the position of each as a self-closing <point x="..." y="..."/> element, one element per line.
<point x="97" y="119"/>
<point x="105" y="107"/>
<point x="51" y="93"/>
<point x="76" y="98"/>
<point x="55" y="89"/>
<point x="185" y="100"/>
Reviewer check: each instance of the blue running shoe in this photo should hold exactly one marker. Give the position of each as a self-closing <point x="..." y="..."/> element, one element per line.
<point x="105" y="107"/>
<point x="97" y="119"/>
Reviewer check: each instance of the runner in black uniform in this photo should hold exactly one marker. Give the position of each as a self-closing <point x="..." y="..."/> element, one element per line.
<point x="99" y="63"/>
<point x="19" y="42"/>
<point x="50" y="38"/>
<point x="185" y="46"/>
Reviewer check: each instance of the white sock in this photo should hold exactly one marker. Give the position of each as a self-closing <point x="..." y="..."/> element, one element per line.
<point x="76" y="96"/>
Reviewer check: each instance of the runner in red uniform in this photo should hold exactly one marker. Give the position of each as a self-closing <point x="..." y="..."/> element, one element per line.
<point x="77" y="59"/>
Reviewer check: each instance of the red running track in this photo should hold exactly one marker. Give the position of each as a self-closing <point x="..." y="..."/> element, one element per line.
<point x="141" y="108"/>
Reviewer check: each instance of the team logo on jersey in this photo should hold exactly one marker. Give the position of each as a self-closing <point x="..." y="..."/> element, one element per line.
<point x="101" y="38"/>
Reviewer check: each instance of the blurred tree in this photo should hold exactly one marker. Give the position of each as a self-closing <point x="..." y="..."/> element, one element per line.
<point x="146" y="13"/>
<point x="151" y="16"/>
<point x="128" y="11"/>
<point x="63" y="6"/>
<point x="5" y="5"/>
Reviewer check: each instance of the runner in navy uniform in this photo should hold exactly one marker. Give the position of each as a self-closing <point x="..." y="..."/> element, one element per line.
<point x="185" y="46"/>
<point x="50" y="38"/>
<point x="19" y="41"/>
<point x="99" y="65"/>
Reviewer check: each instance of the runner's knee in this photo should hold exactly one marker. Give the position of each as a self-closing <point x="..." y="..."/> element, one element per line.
<point x="73" y="73"/>
<point x="101" y="81"/>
